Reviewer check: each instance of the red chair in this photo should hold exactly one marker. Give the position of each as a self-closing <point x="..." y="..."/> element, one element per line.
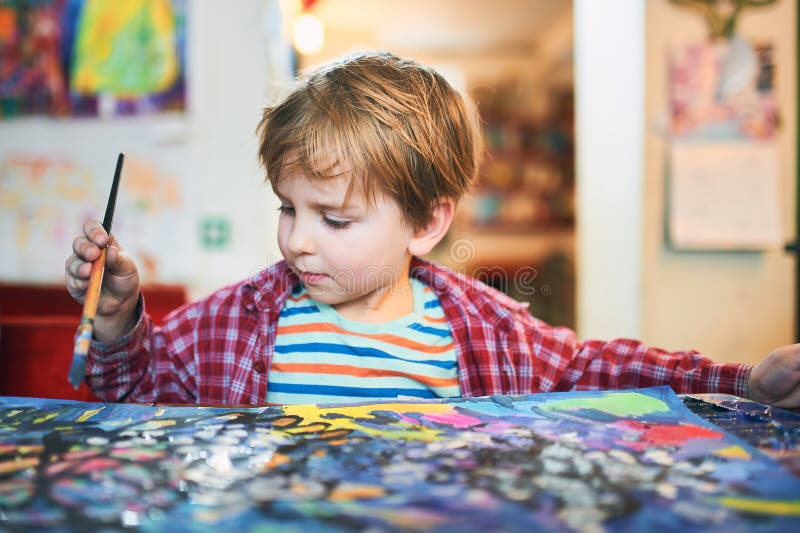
<point x="37" y="332"/>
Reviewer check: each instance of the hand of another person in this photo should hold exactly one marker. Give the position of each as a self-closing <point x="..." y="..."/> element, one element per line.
<point x="776" y="379"/>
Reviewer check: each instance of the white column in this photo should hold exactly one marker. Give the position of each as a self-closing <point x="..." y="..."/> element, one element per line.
<point x="609" y="99"/>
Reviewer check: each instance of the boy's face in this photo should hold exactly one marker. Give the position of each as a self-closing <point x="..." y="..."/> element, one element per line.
<point x="354" y="256"/>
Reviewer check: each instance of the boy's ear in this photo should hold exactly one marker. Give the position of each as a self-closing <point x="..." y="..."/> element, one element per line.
<point x="427" y="237"/>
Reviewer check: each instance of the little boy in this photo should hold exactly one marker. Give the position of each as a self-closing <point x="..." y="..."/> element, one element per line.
<point x="368" y="157"/>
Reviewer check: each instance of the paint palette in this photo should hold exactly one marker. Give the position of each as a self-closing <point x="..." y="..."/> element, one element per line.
<point x="585" y="461"/>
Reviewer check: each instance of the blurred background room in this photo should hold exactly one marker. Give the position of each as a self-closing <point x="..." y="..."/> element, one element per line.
<point x="640" y="175"/>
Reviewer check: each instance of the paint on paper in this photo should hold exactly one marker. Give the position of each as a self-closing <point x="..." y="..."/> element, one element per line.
<point x="45" y="199"/>
<point x="633" y="460"/>
<point x="92" y="57"/>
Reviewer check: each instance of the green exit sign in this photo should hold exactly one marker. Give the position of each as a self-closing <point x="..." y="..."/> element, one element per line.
<point x="215" y="232"/>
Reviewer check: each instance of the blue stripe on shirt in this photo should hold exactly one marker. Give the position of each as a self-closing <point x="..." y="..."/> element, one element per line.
<point x="307" y="310"/>
<point x="416" y="326"/>
<point x="324" y="347"/>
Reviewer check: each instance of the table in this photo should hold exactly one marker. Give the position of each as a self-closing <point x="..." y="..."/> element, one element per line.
<point x="587" y="461"/>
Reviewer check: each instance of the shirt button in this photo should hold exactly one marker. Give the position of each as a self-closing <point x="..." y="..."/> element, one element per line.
<point x="260" y="367"/>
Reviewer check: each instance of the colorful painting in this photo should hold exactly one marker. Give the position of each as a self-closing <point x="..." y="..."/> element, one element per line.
<point x="775" y="432"/>
<point x="634" y="460"/>
<point x="92" y="57"/>
<point x="723" y="91"/>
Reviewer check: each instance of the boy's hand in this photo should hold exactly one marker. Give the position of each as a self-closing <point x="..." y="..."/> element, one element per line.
<point x="116" y="309"/>
<point x="776" y="379"/>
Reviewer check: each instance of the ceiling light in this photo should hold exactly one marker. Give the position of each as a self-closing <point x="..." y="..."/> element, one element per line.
<point x="308" y="34"/>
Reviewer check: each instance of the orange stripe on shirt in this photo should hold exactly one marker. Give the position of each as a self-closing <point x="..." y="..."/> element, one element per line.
<point x="361" y="372"/>
<point x="304" y="296"/>
<point x="440" y="319"/>
<point x="320" y="327"/>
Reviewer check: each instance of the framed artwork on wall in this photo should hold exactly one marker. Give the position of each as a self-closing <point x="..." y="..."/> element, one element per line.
<point x="88" y="58"/>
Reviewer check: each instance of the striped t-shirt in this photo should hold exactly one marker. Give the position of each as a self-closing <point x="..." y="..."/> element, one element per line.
<point x="322" y="357"/>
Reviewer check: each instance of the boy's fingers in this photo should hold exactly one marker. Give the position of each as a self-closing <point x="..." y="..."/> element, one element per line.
<point x="95" y="232"/>
<point x="73" y="267"/>
<point x="85" y="249"/>
<point x="76" y="287"/>
<point x="79" y="285"/>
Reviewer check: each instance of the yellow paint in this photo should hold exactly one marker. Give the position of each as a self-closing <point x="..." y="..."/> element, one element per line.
<point x="45" y="418"/>
<point x="354" y="491"/>
<point x="89" y="414"/>
<point x="154" y="424"/>
<point x="733" y="452"/>
<point x="347" y="414"/>
<point x="160" y="412"/>
<point x="14" y="412"/>
<point x="771" y="507"/>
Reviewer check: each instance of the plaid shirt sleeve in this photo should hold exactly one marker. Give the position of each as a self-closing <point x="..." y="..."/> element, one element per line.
<point x="625" y="363"/>
<point x="502" y="349"/>
<point x="149" y="364"/>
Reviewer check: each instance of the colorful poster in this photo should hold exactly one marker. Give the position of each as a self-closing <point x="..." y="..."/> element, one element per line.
<point x="634" y="460"/>
<point x="723" y="90"/>
<point x="92" y="57"/>
<point x="724" y="171"/>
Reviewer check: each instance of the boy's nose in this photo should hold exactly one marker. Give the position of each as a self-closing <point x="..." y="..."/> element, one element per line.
<point x="300" y="240"/>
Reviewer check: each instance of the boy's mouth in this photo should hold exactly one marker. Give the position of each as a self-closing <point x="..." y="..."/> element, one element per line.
<point x="311" y="278"/>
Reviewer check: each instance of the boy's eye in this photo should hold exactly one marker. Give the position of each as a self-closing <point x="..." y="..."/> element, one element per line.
<point x="289" y="210"/>
<point x="335" y="223"/>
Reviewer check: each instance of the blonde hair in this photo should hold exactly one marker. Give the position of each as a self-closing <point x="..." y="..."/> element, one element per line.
<point x="388" y="123"/>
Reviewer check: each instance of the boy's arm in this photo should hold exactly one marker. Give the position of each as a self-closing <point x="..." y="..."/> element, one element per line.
<point x="568" y="364"/>
<point x="148" y="364"/>
<point x="626" y="363"/>
<point x="565" y="363"/>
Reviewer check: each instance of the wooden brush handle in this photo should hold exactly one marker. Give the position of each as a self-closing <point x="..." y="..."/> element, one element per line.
<point x="95" y="283"/>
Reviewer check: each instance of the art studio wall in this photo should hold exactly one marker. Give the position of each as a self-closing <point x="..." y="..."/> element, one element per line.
<point x="193" y="207"/>
<point x="731" y="305"/>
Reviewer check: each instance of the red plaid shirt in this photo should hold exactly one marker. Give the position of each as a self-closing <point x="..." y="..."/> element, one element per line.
<point x="219" y="349"/>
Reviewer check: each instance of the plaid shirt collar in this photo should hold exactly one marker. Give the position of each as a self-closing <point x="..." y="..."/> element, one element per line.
<point x="271" y="285"/>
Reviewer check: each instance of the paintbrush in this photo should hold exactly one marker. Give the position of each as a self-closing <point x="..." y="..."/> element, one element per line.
<point x="77" y="371"/>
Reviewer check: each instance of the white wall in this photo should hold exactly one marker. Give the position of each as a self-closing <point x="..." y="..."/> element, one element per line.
<point x="731" y="306"/>
<point x="233" y="62"/>
<point x="235" y="70"/>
